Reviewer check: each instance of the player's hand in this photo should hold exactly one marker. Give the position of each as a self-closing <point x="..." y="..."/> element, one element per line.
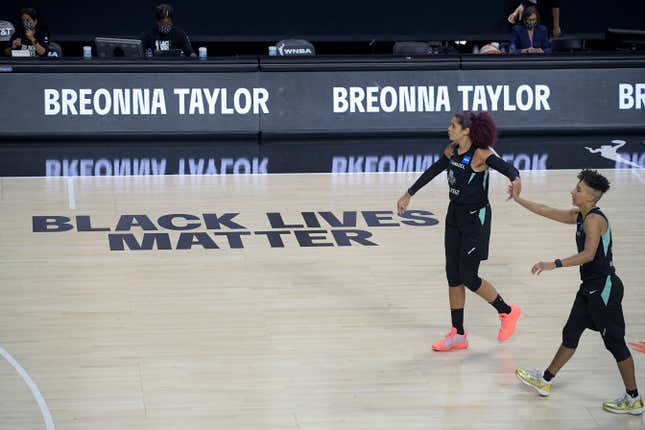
<point x="514" y="189"/>
<point x="542" y="266"/>
<point x="557" y="32"/>
<point x="403" y="203"/>
<point x="16" y="43"/>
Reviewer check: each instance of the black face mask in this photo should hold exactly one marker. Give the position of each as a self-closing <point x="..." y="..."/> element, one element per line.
<point x="164" y="28"/>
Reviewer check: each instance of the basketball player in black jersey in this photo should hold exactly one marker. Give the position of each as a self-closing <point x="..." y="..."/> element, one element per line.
<point x="467" y="159"/>
<point x="597" y="305"/>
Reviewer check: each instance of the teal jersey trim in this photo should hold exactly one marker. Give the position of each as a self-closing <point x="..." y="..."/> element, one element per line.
<point x="472" y="175"/>
<point x="606" y="239"/>
<point x="482" y="215"/>
<point x="485" y="178"/>
<point x="606" y="291"/>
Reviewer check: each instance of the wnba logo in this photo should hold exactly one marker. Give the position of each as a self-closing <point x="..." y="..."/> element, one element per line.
<point x="623" y="161"/>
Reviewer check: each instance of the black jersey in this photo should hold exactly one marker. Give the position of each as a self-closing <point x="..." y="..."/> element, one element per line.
<point x="465" y="185"/>
<point x="42" y="37"/>
<point x="602" y="264"/>
<point x="176" y="39"/>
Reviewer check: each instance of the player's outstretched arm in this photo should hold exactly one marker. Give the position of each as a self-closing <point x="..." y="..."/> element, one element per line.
<point x="567" y="216"/>
<point x="432" y="171"/>
<point x="503" y="167"/>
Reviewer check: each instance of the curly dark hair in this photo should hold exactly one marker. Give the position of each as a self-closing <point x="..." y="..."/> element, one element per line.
<point x="594" y="180"/>
<point x="483" y="132"/>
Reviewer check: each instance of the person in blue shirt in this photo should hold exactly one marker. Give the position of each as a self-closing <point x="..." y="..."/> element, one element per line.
<point x="549" y="12"/>
<point x="530" y="37"/>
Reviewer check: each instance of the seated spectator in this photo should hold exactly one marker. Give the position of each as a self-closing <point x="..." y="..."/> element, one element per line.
<point x="530" y="37"/>
<point x="165" y="36"/>
<point x="543" y="6"/>
<point x="31" y="35"/>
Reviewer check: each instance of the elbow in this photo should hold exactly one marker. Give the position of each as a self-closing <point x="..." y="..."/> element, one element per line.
<point x="587" y="257"/>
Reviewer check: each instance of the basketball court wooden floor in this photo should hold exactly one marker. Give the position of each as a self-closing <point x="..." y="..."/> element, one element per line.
<point x="332" y="330"/>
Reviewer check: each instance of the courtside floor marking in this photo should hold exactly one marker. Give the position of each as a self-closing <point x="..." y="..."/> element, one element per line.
<point x="49" y="423"/>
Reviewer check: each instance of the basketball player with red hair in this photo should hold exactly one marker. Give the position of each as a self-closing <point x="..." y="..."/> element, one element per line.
<point x="467" y="159"/>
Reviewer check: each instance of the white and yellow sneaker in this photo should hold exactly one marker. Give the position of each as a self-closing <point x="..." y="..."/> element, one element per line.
<point x="534" y="379"/>
<point x="625" y="405"/>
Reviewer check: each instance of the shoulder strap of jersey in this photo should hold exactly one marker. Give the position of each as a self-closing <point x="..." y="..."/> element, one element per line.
<point x="597" y="211"/>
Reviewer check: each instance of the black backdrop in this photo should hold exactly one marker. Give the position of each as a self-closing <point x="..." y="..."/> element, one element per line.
<point x="253" y="20"/>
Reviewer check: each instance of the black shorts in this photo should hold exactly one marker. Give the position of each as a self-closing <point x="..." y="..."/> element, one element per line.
<point x="466" y="242"/>
<point x="598" y="306"/>
<point x="468" y="231"/>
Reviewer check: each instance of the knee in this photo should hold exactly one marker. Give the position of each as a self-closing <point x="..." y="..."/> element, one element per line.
<point x="617" y="347"/>
<point x="472" y="282"/>
<point x="454" y="281"/>
<point x="469" y="268"/>
<point x="570" y="337"/>
<point x="453" y="275"/>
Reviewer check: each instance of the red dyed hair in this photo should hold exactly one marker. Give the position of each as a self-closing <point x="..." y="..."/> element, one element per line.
<point x="483" y="132"/>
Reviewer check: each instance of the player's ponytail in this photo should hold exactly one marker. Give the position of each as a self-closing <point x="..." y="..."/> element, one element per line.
<point x="483" y="132"/>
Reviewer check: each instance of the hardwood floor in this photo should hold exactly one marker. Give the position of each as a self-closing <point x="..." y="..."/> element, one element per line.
<point x="332" y="330"/>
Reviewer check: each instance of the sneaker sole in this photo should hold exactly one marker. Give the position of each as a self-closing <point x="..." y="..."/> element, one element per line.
<point x="455" y="347"/>
<point x="638" y="411"/>
<point x="540" y="391"/>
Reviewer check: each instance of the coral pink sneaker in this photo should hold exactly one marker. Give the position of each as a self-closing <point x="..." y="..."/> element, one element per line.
<point x="508" y="323"/>
<point x="452" y="341"/>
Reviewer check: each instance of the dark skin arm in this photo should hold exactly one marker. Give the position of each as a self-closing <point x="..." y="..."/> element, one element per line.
<point x="15" y="43"/>
<point x="566" y="216"/>
<point x="31" y="35"/>
<point x="594" y="227"/>
<point x="557" y="32"/>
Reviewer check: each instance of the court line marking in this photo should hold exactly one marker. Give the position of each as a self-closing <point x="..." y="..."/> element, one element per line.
<point x="291" y="174"/>
<point x="70" y="192"/>
<point x="49" y="423"/>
